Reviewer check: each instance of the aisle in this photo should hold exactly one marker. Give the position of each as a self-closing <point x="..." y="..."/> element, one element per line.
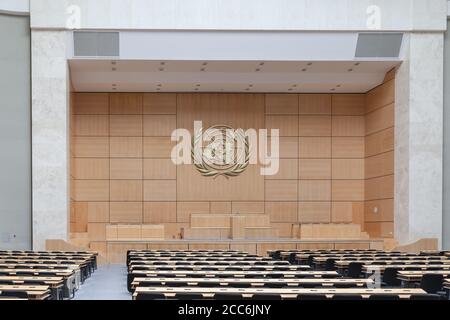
<point x="108" y="282"/>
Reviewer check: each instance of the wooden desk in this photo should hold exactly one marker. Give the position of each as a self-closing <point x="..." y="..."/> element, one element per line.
<point x="257" y="282"/>
<point x="367" y="269"/>
<point x="285" y="293"/>
<point x="416" y="276"/>
<point x="286" y="274"/>
<point x="163" y="268"/>
<point x="34" y="292"/>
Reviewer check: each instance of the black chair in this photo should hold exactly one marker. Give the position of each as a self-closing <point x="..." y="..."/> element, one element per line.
<point x="262" y="296"/>
<point x="240" y="285"/>
<point x="347" y="297"/>
<point x="275" y="275"/>
<point x="228" y="296"/>
<point x="150" y="284"/>
<point x="310" y="285"/>
<point x="355" y="270"/>
<point x="15" y="294"/>
<point x="384" y="297"/>
<point x="150" y="296"/>
<point x="431" y="283"/>
<point x="311" y="296"/>
<point x="176" y="284"/>
<point x="292" y="259"/>
<point x="188" y="296"/>
<point x="390" y="277"/>
<point x="343" y="285"/>
<point x="275" y="285"/>
<point x="250" y="275"/>
<point x="329" y="264"/>
<point x="256" y="269"/>
<point x="425" y="297"/>
<point x="208" y="284"/>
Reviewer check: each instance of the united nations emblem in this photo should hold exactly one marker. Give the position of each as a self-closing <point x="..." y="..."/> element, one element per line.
<point x="227" y="153"/>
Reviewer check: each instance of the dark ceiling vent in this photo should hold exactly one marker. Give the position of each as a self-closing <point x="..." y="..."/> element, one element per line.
<point x="378" y="45"/>
<point x="96" y="44"/>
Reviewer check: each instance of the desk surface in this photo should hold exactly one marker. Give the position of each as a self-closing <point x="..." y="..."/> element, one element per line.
<point x="34" y="292"/>
<point x="330" y="282"/>
<point x="216" y="267"/>
<point x="411" y="276"/>
<point x="284" y="292"/>
<point x="206" y="273"/>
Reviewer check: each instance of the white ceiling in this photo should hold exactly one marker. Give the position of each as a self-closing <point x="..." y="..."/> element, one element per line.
<point x="226" y="76"/>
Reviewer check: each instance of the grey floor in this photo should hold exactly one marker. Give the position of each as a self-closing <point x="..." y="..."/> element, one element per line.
<point x="108" y="282"/>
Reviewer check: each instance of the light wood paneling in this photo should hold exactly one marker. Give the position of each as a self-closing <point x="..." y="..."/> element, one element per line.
<point x="79" y="217"/>
<point x="380" y="119"/>
<point x="160" y="212"/>
<point x="159" y="125"/>
<point x="379" y="210"/>
<point x="314" y="190"/>
<point x="159" y="169"/>
<point x="314" y="126"/>
<point x="380" y="165"/>
<point x="160" y="190"/>
<point x="347" y="147"/>
<point x="91" y="103"/>
<point x="281" y="103"/>
<point x="315" y="104"/>
<point x="380" y="96"/>
<point x="380" y="188"/>
<point x="98" y="211"/>
<point x="126" y="147"/>
<point x="90" y="168"/>
<point x="348" y="169"/>
<point x="348" y="190"/>
<point x="126" y="190"/>
<point x="125" y="103"/>
<point x="288" y="147"/>
<point x="126" y="212"/>
<point x="282" y="211"/>
<point x="314" y="212"/>
<point x="342" y="212"/>
<point x="380" y="229"/>
<point x="91" y="125"/>
<point x="125" y="125"/>
<point x="287" y="125"/>
<point x="130" y="169"/>
<point x="247" y="207"/>
<point x="90" y="190"/>
<point x="379" y="142"/>
<point x="348" y="126"/>
<point x="90" y="147"/>
<point x="97" y="231"/>
<point x="220" y="207"/>
<point x="158" y="147"/>
<point x="160" y="103"/>
<point x="348" y="104"/>
<point x="281" y="190"/>
<point x="314" y="147"/>
<point x="314" y="169"/>
<point x="288" y="169"/>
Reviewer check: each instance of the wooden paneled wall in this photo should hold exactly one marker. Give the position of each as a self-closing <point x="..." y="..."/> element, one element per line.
<point x="379" y="161"/>
<point x="122" y="173"/>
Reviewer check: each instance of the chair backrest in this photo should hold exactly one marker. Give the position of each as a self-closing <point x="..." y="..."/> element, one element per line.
<point x="262" y="296"/>
<point x="209" y="284"/>
<point x="150" y="296"/>
<point x="291" y="258"/>
<point x="188" y="296"/>
<point x="228" y="296"/>
<point x="425" y="297"/>
<point x="384" y="297"/>
<point x="15" y="294"/>
<point x="150" y="284"/>
<point x="275" y="275"/>
<point x="176" y="284"/>
<point x="347" y="297"/>
<point x="329" y="264"/>
<point x="311" y="296"/>
<point x="355" y="269"/>
<point x="390" y="277"/>
<point x="432" y="282"/>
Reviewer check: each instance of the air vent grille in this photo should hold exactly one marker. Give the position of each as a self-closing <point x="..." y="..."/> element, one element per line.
<point x="96" y="44"/>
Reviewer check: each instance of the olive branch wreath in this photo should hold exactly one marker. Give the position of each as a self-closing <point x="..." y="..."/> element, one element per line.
<point x="208" y="171"/>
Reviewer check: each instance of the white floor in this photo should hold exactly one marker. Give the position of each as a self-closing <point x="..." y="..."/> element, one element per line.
<point x="108" y="282"/>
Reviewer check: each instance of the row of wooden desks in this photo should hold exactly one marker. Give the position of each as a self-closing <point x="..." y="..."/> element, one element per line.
<point x="220" y="268"/>
<point x="34" y="292"/>
<point x="285" y="293"/>
<point x="284" y="274"/>
<point x="257" y="282"/>
<point x="409" y="277"/>
<point x="55" y="284"/>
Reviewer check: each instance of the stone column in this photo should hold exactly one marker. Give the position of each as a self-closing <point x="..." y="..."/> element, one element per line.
<point x="50" y="136"/>
<point x="419" y="139"/>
